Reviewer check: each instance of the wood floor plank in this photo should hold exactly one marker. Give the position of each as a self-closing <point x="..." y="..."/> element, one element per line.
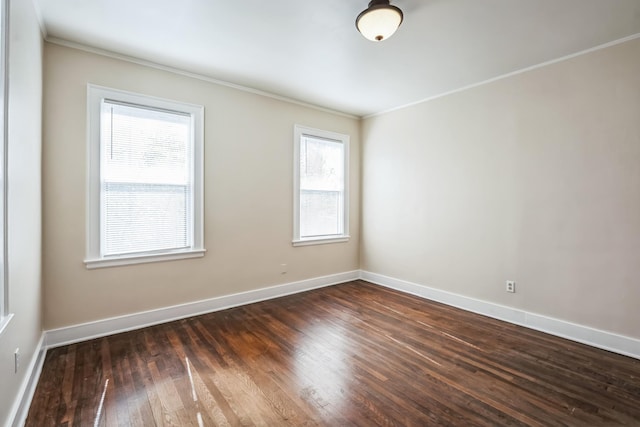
<point x="354" y="354"/>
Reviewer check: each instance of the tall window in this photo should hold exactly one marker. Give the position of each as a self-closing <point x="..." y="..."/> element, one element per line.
<point x="4" y="40"/>
<point x="321" y="207"/>
<point x="145" y="189"/>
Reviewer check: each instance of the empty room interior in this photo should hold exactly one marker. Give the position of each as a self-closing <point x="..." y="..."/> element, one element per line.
<point x="416" y="212"/>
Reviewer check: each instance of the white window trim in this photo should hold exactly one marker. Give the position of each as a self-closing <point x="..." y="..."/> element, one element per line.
<point x="5" y="315"/>
<point x="94" y="259"/>
<point x="298" y="132"/>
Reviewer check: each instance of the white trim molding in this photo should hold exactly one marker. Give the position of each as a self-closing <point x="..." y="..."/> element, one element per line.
<point x="185" y="73"/>
<point x="507" y="75"/>
<point x="4" y="322"/>
<point x="20" y="408"/>
<point x="5" y="34"/>
<point x="100" y="328"/>
<point x="561" y="328"/>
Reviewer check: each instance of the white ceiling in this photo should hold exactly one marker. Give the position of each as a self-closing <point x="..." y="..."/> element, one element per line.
<point x="310" y="50"/>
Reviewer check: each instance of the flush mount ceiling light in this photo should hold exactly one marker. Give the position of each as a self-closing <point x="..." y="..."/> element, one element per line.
<point x="379" y="21"/>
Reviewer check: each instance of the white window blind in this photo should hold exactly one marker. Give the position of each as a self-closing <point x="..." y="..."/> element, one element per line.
<point x="320" y="186"/>
<point x="146" y="174"/>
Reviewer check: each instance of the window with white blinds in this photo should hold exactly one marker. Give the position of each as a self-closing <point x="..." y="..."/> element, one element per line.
<point x="321" y="184"/>
<point x="146" y="173"/>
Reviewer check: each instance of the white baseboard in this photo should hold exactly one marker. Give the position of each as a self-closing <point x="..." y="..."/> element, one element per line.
<point x="583" y="334"/>
<point x="86" y="331"/>
<point x="20" y="409"/>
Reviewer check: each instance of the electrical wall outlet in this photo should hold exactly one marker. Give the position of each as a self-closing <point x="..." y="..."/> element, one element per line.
<point x="511" y="286"/>
<point x="16" y="360"/>
<point x="283" y="268"/>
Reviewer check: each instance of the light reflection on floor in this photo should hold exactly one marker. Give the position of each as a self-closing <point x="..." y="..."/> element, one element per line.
<point x="96" y="422"/>
<point x="321" y="364"/>
<point x="193" y="390"/>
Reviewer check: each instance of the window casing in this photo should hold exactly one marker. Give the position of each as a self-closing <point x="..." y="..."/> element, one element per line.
<point x="4" y="43"/>
<point x="145" y="198"/>
<point x="321" y="184"/>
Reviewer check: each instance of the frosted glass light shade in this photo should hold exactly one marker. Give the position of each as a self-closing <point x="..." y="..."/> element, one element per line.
<point x="379" y="21"/>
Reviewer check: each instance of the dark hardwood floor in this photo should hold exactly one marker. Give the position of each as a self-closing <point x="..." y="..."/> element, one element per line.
<point x="351" y="354"/>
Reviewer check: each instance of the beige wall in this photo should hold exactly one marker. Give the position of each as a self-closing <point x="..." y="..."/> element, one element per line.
<point x="248" y="195"/>
<point x="23" y="204"/>
<point x="534" y="178"/>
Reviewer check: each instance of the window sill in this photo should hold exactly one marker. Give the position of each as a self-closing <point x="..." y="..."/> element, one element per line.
<point x="142" y="259"/>
<point x="321" y="241"/>
<point x="4" y="322"/>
